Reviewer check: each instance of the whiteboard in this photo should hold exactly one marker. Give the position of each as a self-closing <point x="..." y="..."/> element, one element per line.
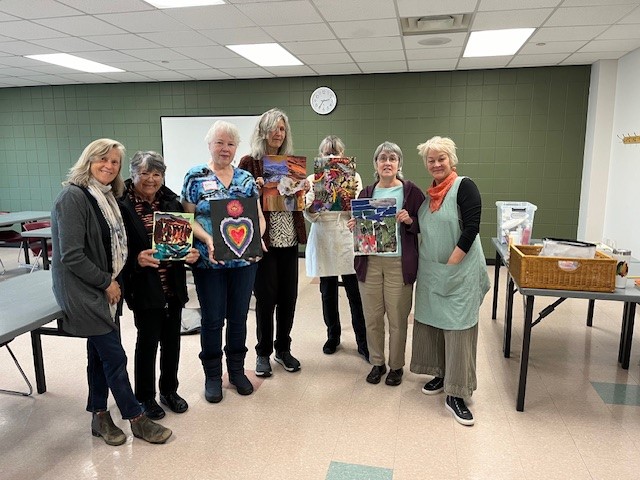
<point x="183" y="144"/>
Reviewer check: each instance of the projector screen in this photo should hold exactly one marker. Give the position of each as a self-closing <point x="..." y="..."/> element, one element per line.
<point x="183" y="144"/>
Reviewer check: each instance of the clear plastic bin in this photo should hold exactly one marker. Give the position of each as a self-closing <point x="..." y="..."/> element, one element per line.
<point x="515" y="220"/>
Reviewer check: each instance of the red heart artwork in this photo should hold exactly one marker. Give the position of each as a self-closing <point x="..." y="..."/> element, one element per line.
<point x="237" y="233"/>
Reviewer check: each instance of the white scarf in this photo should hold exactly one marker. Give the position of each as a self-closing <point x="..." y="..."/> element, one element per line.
<point x="111" y="212"/>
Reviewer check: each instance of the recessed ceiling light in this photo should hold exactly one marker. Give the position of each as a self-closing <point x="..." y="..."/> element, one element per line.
<point x="492" y="43"/>
<point x="265" y="54"/>
<point x="431" y="41"/>
<point x="75" y="63"/>
<point x="183" y="3"/>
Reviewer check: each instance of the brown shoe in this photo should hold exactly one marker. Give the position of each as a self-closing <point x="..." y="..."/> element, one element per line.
<point x="103" y="426"/>
<point x="149" y="431"/>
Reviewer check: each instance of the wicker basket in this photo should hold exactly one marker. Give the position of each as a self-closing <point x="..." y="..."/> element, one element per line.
<point x="561" y="273"/>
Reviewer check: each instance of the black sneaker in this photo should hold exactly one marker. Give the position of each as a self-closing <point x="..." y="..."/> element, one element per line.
<point x="394" y="378"/>
<point x="434" y="386"/>
<point x="330" y="346"/>
<point x="263" y="366"/>
<point x="376" y="374"/>
<point x="288" y="361"/>
<point x="459" y="410"/>
<point x="152" y="410"/>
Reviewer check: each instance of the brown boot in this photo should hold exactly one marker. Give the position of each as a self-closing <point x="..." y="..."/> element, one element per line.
<point x="149" y="431"/>
<point x="102" y="426"/>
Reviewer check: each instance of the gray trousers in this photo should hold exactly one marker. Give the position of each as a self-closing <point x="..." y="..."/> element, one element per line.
<point x="447" y="353"/>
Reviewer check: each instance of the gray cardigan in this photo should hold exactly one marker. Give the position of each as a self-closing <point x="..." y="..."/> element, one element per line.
<point x="79" y="265"/>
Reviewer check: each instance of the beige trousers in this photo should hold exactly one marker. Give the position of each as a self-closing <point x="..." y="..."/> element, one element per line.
<point x="385" y="292"/>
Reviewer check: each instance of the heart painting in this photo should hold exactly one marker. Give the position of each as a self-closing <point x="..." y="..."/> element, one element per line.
<point x="237" y="234"/>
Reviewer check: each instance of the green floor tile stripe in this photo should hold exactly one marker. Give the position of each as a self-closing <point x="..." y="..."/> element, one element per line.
<point x="350" y="471"/>
<point x="618" y="393"/>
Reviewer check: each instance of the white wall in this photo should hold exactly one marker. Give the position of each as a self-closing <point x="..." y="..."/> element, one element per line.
<point x="622" y="211"/>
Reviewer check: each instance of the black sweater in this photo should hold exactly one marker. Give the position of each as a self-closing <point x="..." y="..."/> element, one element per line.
<point x="470" y="207"/>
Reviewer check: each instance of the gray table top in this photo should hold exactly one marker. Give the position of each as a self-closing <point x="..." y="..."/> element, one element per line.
<point x="37" y="233"/>
<point x="26" y="303"/>
<point x="21" y="217"/>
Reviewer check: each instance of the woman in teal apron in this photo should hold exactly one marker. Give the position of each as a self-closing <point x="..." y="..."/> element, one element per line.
<point x="452" y="281"/>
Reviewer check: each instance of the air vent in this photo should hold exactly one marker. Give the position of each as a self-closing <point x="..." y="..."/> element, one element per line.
<point x="436" y="24"/>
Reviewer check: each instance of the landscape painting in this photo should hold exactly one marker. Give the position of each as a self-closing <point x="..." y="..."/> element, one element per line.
<point x="284" y="180"/>
<point x="375" y="231"/>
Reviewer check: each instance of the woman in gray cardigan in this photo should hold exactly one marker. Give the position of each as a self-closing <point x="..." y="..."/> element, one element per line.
<point x="89" y="251"/>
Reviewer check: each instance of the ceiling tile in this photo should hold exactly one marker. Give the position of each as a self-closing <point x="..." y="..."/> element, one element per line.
<point x="377" y="67"/>
<point x="68" y="44"/>
<point x="620" y="32"/>
<point x="435" y="64"/>
<point x="30" y="9"/>
<point x="82" y="77"/>
<point x="336" y="69"/>
<point x="537" y="60"/>
<point x="484" y="62"/>
<point x="80" y="25"/>
<point x="325" y="58"/>
<point x="316" y="46"/>
<point x="207" y="74"/>
<point x="207" y="18"/>
<point x="184" y="38"/>
<point x="154" y="54"/>
<point x="108" y="56"/>
<point x="281" y="13"/>
<point x="125" y="77"/>
<point x="551" y="47"/>
<point x="203" y="53"/>
<point x="583" y="3"/>
<point x="428" y="53"/>
<point x="295" y="33"/>
<point x="237" y="62"/>
<point x="235" y="36"/>
<point x="366" y="28"/>
<point x="587" y="58"/>
<point x="253" y="72"/>
<point x="19" y="61"/>
<point x="378" y="56"/>
<point x="24" y="82"/>
<point x="24" y="48"/>
<point x="457" y="40"/>
<point x="166" y="75"/>
<point x="135" y="66"/>
<point x="610" y="45"/>
<point x="139" y="22"/>
<point x="557" y="34"/>
<point x="419" y="8"/>
<point x="7" y="18"/>
<point x="372" y="44"/>
<point x="110" y="6"/>
<point x="179" y="65"/>
<point x="18" y="72"/>
<point x="121" y="41"/>
<point x="633" y="17"/>
<point x="487" y="5"/>
<point x="601" y="15"/>
<point x="291" y="71"/>
<point x="339" y="10"/>
<point x="26" y="30"/>
<point x="510" y="19"/>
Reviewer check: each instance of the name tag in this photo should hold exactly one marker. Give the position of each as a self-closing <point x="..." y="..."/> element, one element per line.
<point x="210" y="185"/>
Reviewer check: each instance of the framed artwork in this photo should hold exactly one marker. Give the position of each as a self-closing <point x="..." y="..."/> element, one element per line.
<point x="284" y="177"/>
<point x="334" y="183"/>
<point x="236" y="230"/>
<point x="376" y="229"/>
<point x="172" y="235"/>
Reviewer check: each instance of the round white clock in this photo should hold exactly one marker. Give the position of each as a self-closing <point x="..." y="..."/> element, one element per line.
<point x="323" y="100"/>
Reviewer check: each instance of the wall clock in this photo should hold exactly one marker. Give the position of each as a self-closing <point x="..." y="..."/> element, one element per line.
<point x="323" y="100"/>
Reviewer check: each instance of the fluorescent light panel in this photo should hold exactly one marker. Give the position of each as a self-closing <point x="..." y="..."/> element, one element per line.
<point x="493" y="43"/>
<point x="265" y="54"/>
<point x="183" y="3"/>
<point x="75" y="63"/>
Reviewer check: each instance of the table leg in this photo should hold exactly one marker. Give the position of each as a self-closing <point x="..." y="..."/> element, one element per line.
<point x="592" y="304"/>
<point x="628" y="334"/>
<point x="38" y="361"/>
<point x="496" y="281"/>
<point x="508" y="317"/>
<point x="524" y="358"/>
<point x="45" y="254"/>
<point x="623" y="329"/>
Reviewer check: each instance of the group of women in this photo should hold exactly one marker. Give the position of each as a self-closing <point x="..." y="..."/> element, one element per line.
<point x="102" y="253"/>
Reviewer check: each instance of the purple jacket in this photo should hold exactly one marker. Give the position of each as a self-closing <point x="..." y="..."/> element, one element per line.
<point x="413" y="198"/>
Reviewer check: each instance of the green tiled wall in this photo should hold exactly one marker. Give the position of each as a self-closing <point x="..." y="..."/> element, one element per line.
<point x="520" y="132"/>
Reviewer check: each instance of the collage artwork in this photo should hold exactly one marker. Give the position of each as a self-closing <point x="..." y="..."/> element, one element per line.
<point x="376" y="227"/>
<point x="172" y="235"/>
<point x="334" y="183"/>
<point x="284" y="177"/>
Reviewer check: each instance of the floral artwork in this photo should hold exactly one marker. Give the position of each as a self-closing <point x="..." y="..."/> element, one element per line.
<point x="172" y="235"/>
<point x="235" y="235"/>
<point x="376" y="227"/>
<point x="284" y="180"/>
<point x="334" y="183"/>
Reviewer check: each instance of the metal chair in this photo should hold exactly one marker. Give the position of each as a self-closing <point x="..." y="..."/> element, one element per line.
<point x="15" y="392"/>
<point x="35" y="244"/>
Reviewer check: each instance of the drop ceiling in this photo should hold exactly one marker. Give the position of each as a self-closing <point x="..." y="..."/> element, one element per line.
<point x="331" y="37"/>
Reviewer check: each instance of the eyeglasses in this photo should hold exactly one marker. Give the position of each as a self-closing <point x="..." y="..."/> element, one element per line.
<point x="391" y="158"/>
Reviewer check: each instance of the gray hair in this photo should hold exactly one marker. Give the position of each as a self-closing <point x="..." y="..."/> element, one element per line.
<point x="223" y="127"/>
<point x="333" y="144"/>
<point x="387" y="147"/>
<point x="267" y="123"/>
<point x="439" y="144"/>
<point x="146" y="161"/>
<point x="80" y="173"/>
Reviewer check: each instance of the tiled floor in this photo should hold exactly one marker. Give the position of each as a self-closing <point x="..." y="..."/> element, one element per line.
<point x="581" y="418"/>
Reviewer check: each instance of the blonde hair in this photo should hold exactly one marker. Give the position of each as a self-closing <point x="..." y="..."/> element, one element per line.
<point x="80" y="173"/>
<point x="267" y="123"/>
<point x="439" y="144"/>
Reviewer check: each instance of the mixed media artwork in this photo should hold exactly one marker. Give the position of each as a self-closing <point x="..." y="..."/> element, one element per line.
<point x="284" y="177"/>
<point x="376" y="227"/>
<point x="236" y="232"/>
<point x="172" y="235"/>
<point x="334" y="183"/>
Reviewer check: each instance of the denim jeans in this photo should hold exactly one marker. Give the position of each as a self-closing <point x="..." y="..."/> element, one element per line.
<point x="224" y="293"/>
<point x="107" y="370"/>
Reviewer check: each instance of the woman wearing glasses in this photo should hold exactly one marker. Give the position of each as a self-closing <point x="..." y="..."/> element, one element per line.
<point x="386" y="279"/>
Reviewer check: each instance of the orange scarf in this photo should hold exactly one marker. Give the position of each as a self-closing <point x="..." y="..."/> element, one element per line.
<point x="438" y="192"/>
